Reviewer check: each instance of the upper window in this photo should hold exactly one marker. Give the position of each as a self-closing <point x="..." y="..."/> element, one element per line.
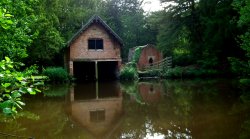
<point x="95" y="44"/>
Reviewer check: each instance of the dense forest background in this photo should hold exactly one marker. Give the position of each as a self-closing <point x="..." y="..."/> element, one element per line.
<point x="207" y="34"/>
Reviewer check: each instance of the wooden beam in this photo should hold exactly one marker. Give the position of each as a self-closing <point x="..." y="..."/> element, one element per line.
<point x="96" y="70"/>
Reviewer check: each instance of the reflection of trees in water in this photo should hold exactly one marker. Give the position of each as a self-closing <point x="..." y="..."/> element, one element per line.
<point x="157" y="116"/>
<point x="59" y="90"/>
<point x="9" y="124"/>
<point x="205" y="106"/>
<point x="197" y="107"/>
<point x="242" y="108"/>
<point x="187" y="109"/>
<point x="131" y="88"/>
<point x="47" y="119"/>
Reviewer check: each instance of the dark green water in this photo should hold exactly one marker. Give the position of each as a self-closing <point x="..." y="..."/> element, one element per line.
<point x="189" y="109"/>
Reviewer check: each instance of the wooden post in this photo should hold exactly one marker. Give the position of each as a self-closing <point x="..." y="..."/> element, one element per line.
<point x="71" y="70"/>
<point x="96" y="70"/>
<point x="96" y="89"/>
<point x="96" y="83"/>
<point x="72" y="94"/>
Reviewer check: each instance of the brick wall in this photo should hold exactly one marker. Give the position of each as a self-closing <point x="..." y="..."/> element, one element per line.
<point x="146" y="53"/>
<point x="79" y="48"/>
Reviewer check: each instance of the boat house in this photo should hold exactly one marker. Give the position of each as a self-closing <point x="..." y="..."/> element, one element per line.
<point x="94" y="52"/>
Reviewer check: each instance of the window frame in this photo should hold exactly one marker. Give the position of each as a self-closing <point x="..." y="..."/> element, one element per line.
<point x="98" y="44"/>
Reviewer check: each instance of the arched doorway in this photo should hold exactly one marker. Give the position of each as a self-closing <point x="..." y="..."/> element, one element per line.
<point x="151" y="61"/>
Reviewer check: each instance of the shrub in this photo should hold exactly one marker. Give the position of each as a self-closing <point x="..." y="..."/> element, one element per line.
<point x="173" y="72"/>
<point x="189" y="72"/>
<point x="14" y="84"/>
<point x="245" y="83"/>
<point x="56" y="74"/>
<point x="150" y="73"/>
<point x="137" y="54"/>
<point x="129" y="72"/>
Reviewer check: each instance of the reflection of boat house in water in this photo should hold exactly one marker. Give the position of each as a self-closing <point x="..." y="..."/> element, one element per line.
<point x="149" y="55"/>
<point x="97" y="108"/>
<point x="94" y="51"/>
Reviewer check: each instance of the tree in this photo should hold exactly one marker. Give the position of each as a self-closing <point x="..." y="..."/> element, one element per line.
<point x="29" y="27"/>
<point x="73" y="14"/>
<point x="13" y="82"/>
<point x="58" y="21"/>
<point x="15" y="32"/>
<point x="219" y="33"/>
<point x="179" y="33"/>
<point x="49" y="40"/>
<point x="241" y="65"/>
<point x="152" y="23"/>
<point x="203" y="30"/>
<point x="126" y="17"/>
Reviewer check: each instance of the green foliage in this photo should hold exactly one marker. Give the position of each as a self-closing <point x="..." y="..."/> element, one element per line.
<point x="150" y="73"/>
<point x="47" y="44"/>
<point x="245" y="83"/>
<point x="37" y="30"/>
<point x="131" y="88"/>
<point x="204" y="30"/>
<point x="5" y="21"/>
<point x="28" y="25"/>
<point x="56" y="74"/>
<point x="189" y="72"/>
<point x="137" y="54"/>
<point x="241" y="65"/>
<point x="69" y="15"/>
<point x="16" y="21"/>
<point x="129" y="72"/>
<point x="127" y="19"/>
<point x="14" y="84"/>
<point x="49" y="41"/>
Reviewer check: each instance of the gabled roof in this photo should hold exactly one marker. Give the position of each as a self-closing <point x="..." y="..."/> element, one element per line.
<point x="92" y="20"/>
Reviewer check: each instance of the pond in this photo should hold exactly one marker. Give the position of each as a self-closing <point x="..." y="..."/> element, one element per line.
<point x="181" y="109"/>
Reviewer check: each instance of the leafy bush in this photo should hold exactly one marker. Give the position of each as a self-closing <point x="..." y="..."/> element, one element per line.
<point x="245" y="83"/>
<point x="174" y="72"/>
<point x="129" y="72"/>
<point x="182" y="57"/>
<point x="137" y="54"/>
<point x="14" y="84"/>
<point x="56" y="74"/>
<point x="239" y="67"/>
<point x="188" y="72"/>
<point x="150" y="73"/>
